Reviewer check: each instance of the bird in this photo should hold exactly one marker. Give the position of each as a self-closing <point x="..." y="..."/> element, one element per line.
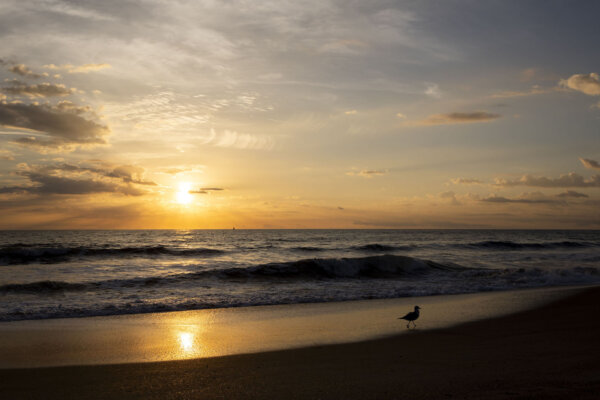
<point x="411" y="317"/>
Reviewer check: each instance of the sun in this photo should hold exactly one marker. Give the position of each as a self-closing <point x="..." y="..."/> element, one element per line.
<point x="183" y="196"/>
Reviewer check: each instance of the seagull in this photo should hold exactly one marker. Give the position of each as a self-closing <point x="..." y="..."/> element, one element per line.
<point x="412" y="316"/>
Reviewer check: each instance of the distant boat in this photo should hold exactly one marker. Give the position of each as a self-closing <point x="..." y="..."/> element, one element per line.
<point x="233" y="229"/>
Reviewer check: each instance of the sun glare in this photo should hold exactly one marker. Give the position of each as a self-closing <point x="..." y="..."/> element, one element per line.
<point x="183" y="196"/>
<point x="186" y="341"/>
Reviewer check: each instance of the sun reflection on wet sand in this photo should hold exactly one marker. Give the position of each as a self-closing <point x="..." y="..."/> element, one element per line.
<point x="186" y="341"/>
<point x="189" y="345"/>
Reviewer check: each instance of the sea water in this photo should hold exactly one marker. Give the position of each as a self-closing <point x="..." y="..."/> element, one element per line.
<point x="57" y="274"/>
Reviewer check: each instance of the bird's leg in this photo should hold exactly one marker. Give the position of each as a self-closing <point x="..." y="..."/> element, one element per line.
<point x="408" y="325"/>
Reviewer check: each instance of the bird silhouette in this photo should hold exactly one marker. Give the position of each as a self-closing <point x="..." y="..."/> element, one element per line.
<point x="411" y="317"/>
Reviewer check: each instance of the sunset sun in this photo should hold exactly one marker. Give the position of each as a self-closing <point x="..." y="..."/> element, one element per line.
<point x="183" y="195"/>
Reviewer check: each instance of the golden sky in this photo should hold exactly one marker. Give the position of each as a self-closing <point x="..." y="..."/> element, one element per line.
<point x="287" y="114"/>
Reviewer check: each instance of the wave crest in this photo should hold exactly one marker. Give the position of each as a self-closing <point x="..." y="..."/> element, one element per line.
<point x="19" y="254"/>
<point x="385" y="266"/>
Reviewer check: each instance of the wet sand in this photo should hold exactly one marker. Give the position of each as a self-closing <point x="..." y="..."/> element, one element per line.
<point x="551" y="352"/>
<point x="169" y="336"/>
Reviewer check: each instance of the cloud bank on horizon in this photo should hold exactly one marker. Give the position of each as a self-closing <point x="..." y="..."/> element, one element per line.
<point x="118" y="105"/>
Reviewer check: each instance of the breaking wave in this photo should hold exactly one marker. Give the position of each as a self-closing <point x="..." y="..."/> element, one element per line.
<point x="376" y="247"/>
<point x="27" y="254"/>
<point x="385" y="267"/>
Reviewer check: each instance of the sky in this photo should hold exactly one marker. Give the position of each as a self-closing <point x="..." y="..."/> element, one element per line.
<point x="189" y="114"/>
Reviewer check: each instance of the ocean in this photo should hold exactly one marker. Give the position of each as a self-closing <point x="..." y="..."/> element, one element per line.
<point x="59" y="274"/>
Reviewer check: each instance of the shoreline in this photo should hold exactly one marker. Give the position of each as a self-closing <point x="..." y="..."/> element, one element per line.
<point x="549" y="352"/>
<point x="133" y="338"/>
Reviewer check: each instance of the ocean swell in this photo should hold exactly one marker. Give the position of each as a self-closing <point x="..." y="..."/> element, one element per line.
<point x="20" y="254"/>
<point x="509" y="245"/>
<point x="385" y="266"/>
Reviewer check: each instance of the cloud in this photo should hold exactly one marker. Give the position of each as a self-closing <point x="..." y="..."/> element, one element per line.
<point x="466" y="181"/>
<point x="450" y="195"/>
<point x="526" y="198"/>
<point x="368" y="173"/>
<point x="571" y="193"/>
<point x="351" y="112"/>
<point x="458" y="118"/>
<point x="590" y="164"/>
<point x="584" y="83"/>
<point x="79" y="180"/>
<point x="125" y="173"/>
<point x="47" y="184"/>
<point x="534" y="90"/>
<point x="79" y="69"/>
<point x="564" y="181"/>
<point x="401" y="116"/>
<point x="230" y="138"/>
<point x="21" y="69"/>
<point x="179" y="169"/>
<point x="6" y="155"/>
<point x="205" y="190"/>
<point x="39" y="90"/>
<point x="129" y="174"/>
<point x="433" y="90"/>
<point x="63" y="125"/>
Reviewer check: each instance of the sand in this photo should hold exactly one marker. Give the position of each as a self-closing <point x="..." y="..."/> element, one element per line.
<point x="168" y="336"/>
<point x="549" y="352"/>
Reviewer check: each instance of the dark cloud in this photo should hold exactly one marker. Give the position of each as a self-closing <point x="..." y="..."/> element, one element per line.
<point x="525" y="198"/>
<point x="466" y="181"/>
<point x="205" y="190"/>
<point x="458" y="118"/>
<point x="125" y="173"/>
<point x="500" y="199"/>
<point x="38" y="90"/>
<point x="567" y="180"/>
<point x="590" y="164"/>
<point x="129" y="174"/>
<point x="21" y="69"/>
<point x="571" y="193"/>
<point x="48" y="184"/>
<point x="76" y="180"/>
<point x="68" y="106"/>
<point x="65" y="127"/>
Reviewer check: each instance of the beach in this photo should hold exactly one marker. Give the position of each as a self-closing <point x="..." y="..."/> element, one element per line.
<point x="550" y="351"/>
